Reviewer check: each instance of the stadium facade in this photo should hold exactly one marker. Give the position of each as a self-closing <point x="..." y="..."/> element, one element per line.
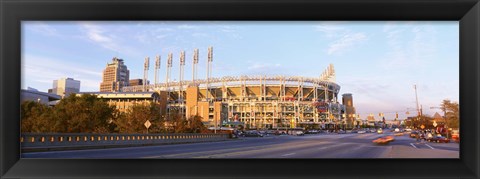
<point x="254" y="101"/>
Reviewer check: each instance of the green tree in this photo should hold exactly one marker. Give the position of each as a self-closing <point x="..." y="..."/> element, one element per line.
<point x="36" y="117"/>
<point x="157" y="120"/>
<point x="133" y="120"/>
<point x="83" y="114"/>
<point x="451" y="113"/>
<point x="195" y="125"/>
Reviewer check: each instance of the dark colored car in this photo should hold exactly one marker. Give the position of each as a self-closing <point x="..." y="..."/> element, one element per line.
<point x="439" y="139"/>
<point x="253" y="134"/>
<point x="280" y="132"/>
<point x="313" y="131"/>
<point x="413" y="134"/>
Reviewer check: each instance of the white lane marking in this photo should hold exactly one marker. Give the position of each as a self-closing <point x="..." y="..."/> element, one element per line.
<point x="288" y="154"/>
<point x="429" y="146"/>
<point x="413" y="146"/>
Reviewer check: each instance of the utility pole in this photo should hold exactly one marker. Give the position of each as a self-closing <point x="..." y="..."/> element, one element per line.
<point x="416" y="98"/>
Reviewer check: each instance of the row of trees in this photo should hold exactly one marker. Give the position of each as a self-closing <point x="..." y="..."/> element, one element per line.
<point x="451" y="116"/>
<point x="451" y="113"/>
<point x="88" y="114"/>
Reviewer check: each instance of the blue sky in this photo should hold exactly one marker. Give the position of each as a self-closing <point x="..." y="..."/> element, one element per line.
<point x="378" y="62"/>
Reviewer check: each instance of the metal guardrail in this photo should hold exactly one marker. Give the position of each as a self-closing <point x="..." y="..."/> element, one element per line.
<point x="54" y="141"/>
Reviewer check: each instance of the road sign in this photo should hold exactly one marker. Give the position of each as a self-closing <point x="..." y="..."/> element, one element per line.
<point x="147" y="124"/>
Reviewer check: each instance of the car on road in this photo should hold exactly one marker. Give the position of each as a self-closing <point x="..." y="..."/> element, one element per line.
<point x="299" y="133"/>
<point x="383" y="140"/>
<point x="280" y="132"/>
<point x="253" y="134"/>
<point x="413" y="134"/>
<point x="439" y="139"/>
<point x="456" y="135"/>
<point x="361" y="132"/>
<point x="312" y="131"/>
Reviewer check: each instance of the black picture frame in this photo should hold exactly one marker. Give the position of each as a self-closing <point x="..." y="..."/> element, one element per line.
<point x="12" y="12"/>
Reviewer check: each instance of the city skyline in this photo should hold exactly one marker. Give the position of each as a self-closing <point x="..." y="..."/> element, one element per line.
<point x="378" y="62"/>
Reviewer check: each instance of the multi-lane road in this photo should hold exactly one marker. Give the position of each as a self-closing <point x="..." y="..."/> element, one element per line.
<point x="308" y="146"/>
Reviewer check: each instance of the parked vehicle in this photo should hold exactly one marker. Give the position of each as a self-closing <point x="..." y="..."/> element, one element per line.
<point x="413" y="134"/>
<point x="299" y="133"/>
<point x="439" y="139"/>
<point x="456" y="135"/>
<point x="342" y="132"/>
<point x="312" y="131"/>
<point x="253" y="134"/>
<point x="280" y="132"/>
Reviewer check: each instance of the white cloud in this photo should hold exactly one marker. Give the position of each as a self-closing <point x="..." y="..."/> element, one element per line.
<point x="42" y="28"/>
<point x="45" y="70"/>
<point x="344" y="38"/>
<point x="346" y="42"/>
<point x="331" y="31"/>
<point x="185" y="26"/>
<point x="409" y="46"/>
<point x="263" y="66"/>
<point x="108" y="39"/>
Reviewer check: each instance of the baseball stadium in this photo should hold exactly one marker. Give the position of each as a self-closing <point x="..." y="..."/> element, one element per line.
<point x="252" y="101"/>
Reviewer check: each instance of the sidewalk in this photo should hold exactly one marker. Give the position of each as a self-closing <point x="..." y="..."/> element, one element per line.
<point x="400" y="151"/>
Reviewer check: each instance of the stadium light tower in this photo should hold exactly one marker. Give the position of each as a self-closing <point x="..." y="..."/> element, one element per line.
<point x="145" y="73"/>
<point x="169" y="66"/>
<point x="209" y="65"/>
<point x="157" y="67"/>
<point x="194" y="65"/>
<point x="180" y="87"/>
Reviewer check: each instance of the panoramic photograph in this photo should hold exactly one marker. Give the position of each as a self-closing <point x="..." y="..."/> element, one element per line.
<point x="240" y="89"/>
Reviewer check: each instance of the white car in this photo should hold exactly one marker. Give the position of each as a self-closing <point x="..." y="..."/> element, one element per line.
<point x="361" y="132"/>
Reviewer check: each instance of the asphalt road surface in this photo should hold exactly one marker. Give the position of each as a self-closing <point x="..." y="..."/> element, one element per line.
<point x="308" y="146"/>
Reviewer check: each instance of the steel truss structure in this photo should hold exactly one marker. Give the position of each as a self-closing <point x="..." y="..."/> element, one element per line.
<point x="262" y="101"/>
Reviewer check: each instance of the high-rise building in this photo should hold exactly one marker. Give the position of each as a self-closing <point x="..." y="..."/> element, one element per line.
<point x="136" y="82"/>
<point x="65" y="86"/>
<point x="349" y="109"/>
<point x="115" y="76"/>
